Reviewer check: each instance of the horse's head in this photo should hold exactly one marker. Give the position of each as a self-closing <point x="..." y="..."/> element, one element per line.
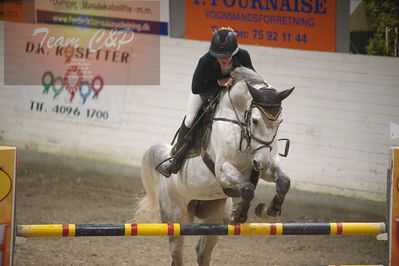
<point x="263" y="118"/>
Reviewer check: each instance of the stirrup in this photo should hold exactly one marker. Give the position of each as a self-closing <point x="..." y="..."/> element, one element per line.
<point x="165" y="171"/>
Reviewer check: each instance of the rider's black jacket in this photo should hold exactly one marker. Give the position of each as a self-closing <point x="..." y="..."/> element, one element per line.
<point x="208" y="72"/>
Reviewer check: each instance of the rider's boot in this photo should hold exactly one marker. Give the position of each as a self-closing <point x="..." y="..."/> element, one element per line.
<point x="178" y="153"/>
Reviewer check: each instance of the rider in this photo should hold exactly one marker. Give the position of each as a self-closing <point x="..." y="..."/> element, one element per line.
<point x="211" y="75"/>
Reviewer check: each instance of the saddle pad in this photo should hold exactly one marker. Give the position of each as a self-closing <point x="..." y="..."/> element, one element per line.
<point x="202" y="132"/>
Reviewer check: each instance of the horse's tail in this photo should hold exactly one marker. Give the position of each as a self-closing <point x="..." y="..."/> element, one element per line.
<point x="147" y="208"/>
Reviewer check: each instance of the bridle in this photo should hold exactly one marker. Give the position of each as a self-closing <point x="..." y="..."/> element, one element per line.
<point x="245" y="126"/>
<point x="246" y="134"/>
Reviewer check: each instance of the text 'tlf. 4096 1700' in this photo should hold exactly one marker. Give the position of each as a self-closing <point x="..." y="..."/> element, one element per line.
<point x="68" y="110"/>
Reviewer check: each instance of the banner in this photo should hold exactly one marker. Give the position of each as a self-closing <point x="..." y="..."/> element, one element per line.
<point x="76" y="82"/>
<point x="77" y="54"/>
<point x="299" y="24"/>
<point x="85" y="41"/>
<point x="110" y="57"/>
<point x="12" y="10"/>
<point x="106" y="14"/>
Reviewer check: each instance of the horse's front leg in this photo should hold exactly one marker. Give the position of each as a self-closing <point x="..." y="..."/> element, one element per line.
<point x="230" y="177"/>
<point x="282" y="186"/>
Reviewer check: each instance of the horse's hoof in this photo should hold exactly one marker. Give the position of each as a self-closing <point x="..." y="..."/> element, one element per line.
<point x="239" y="220"/>
<point x="236" y="218"/>
<point x="273" y="211"/>
<point x="231" y="218"/>
<point x="242" y="219"/>
<point x="259" y="211"/>
<point x="232" y="221"/>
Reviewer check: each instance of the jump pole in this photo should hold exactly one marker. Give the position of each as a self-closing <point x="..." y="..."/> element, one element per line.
<point x="7" y="232"/>
<point x="175" y="229"/>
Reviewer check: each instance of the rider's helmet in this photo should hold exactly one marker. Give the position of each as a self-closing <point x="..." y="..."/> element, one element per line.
<point x="224" y="43"/>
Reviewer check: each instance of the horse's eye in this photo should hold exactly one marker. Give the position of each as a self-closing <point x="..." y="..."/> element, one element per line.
<point x="254" y="121"/>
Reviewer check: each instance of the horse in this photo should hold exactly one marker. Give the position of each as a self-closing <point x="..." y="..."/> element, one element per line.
<point x="242" y="142"/>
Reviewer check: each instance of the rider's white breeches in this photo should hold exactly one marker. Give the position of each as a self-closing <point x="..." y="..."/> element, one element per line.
<point x="194" y="103"/>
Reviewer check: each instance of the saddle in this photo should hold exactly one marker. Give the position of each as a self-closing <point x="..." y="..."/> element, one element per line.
<point x="202" y="131"/>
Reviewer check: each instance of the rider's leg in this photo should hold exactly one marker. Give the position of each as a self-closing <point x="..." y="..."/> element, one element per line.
<point x="194" y="104"/>
<point x="180" y="149"/>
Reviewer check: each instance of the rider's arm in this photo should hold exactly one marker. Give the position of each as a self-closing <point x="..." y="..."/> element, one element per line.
<point x="201" y="83"/>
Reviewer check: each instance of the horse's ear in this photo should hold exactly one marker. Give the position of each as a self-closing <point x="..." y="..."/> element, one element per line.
<point x="256" y="94"/>
<point x="284" y="94"/>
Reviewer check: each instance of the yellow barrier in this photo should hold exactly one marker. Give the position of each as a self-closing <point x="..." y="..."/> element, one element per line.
<point x="7" y="198"/>
<point x="175" y="229"/>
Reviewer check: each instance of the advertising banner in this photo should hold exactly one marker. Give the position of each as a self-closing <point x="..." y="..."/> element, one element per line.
<point x="11" y="10"/>
<point x="83" y="54"/>
<point x="299" y="24"/>
<point x="107" y="14"/>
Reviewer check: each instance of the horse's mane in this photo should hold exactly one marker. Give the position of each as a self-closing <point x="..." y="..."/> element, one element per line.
<point x="239" y="91"/>
<point x="243" y="73"/>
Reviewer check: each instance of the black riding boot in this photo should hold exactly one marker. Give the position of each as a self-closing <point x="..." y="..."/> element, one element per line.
<point x="178" y="153"/>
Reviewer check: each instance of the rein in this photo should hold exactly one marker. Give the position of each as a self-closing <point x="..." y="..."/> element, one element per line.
<point x="246" y="126"/>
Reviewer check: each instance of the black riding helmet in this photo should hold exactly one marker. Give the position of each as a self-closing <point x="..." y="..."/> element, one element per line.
<point x="224" y="44"/>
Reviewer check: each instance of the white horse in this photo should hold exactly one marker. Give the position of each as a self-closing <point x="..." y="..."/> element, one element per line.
<point x="243" y="139"/>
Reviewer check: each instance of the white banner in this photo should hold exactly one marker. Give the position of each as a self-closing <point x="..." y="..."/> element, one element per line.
<point x="143" y="11"/>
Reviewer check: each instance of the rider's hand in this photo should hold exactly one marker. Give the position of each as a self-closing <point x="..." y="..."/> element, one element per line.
<point x="226" y="82"/>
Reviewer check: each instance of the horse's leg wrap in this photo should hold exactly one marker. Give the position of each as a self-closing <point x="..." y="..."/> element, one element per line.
<point x="230" y="177"/>
<point x="283" y="183"/>
<point x="247" y="192"/>
<point x="282" y="187"/>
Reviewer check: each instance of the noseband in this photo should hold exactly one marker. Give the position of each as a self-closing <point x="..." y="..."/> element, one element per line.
<point x="245" y="126"/>
<point x="248" y="114"/>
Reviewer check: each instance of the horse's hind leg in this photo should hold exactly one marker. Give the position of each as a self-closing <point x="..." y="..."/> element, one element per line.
<point x="282" y="186"/>
<point x="176" y="249"/>
<point x="209" y="212"/>
<point x="175" y="211"/>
